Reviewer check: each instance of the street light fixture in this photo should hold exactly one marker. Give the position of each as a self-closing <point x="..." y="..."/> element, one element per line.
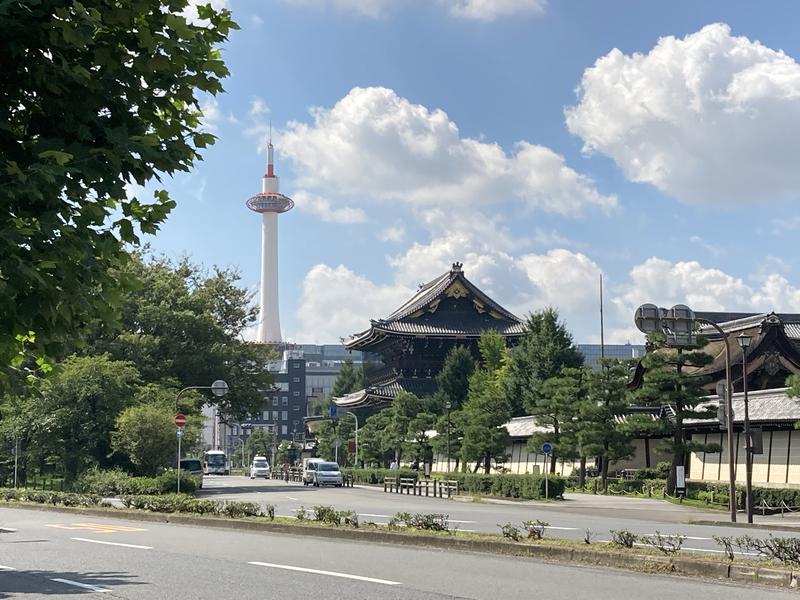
<point x="650" y="318"/>
<point x="744" y="343"/>
<point x="448" y="406"/>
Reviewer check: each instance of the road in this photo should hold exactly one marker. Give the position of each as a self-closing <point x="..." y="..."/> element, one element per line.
<point x="568" y="519"/>
<point x="57" y="555"/>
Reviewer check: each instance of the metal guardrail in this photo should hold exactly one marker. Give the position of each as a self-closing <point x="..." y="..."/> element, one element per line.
<point x="437" y="488"/>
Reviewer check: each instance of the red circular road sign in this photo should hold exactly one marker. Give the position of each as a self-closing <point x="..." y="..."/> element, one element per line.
<point x="180" y="420"/>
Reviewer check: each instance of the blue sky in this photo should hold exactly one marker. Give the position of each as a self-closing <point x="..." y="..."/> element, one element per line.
<point x="538" y="143"/>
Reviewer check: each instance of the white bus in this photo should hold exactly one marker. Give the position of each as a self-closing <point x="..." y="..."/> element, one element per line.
<point x="216" y="463"/>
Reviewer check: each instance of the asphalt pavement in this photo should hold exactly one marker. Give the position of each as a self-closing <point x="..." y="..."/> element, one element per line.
<point x="570" y="518"/>
<point x="57" y="555"/>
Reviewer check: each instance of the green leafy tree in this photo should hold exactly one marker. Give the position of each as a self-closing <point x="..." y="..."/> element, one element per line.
<point x="670" y="379"/>
<point x="545" y="349"/>
<point x="374" y="447"/>
<point x="452" y="385"/>
<point x="599" y="425"/>
<point x="405" y="408"/>
<point x="78" y="408"/>
<point x="182" y="327"/>
<point x="487" y="407"/>
<point x="349" y="379"/>
<point x="793" y="383"/>
<point x="259" y="443"/>
<point x="96" y="96"/>
<point x="560" y="400"/>
<point x="146" y="433"/>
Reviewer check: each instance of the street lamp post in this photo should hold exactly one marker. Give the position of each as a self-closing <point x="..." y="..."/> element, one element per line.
<point x="744" y="344"/>
<point x="356" y="418"/>
<point x="448" y="406"/>
<point x="219" y="388"/>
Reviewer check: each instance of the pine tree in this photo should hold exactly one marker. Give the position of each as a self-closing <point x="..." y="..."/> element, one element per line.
<point x="452" y="386"/>
<point x="600" y="431"/>
<point x="670" y="380"/>
<point x="487" y="408"/>
<point x="545" y="349"/>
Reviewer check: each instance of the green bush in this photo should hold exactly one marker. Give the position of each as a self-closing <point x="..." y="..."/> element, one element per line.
<point x="376" y="476"/>
<point x="54" y="498"/>
<point x="528" y="487"/>
<point x="116" y="482"/>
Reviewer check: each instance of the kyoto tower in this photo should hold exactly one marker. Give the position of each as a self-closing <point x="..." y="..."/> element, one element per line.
<point x="270" y="202"/>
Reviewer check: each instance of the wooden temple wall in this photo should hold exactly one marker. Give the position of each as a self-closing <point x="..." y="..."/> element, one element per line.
<point x="779" y="465"/>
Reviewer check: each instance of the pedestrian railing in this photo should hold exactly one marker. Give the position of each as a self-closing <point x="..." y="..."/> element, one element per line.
<point x="437" y="488"/>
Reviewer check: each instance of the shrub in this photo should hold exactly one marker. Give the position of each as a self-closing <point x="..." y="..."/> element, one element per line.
<point x="327" y="514"/>
<point x="668" y="544"/>
<point x="509" y="531"/>
<point x="726" y="542"/>
<point x="349" y="517"/>
<point x="168" y="482"/>
<point x="782" y="549"/>
<point x="116" y="482"/>
<point x="588" y="536"/>
<point x="269" y="511"/>
<point x="376" y="476"/>
<point x="237" y="510"/>
<point x="623" y="537"/>
<point x="535" y="528"/>
<point x="426" y="521"/>
<point x="506" y="485"/>
<point x="302" y="514"/>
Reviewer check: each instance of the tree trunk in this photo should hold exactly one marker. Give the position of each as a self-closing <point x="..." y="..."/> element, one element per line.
<point x="552" y="464"/>
<point x="582" y="473"/>
<point x="487" y="464"/>
<point x="604" y="473"/>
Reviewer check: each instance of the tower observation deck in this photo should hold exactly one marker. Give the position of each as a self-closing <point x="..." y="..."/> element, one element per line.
<point x="269" y="203"/>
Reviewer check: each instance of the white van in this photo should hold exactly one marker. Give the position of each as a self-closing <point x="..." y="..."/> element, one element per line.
<point x="259" y="467"/>
<point x="310" y="469"/>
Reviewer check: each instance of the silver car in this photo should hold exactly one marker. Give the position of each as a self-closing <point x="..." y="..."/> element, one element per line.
<point x="327" y="473"/>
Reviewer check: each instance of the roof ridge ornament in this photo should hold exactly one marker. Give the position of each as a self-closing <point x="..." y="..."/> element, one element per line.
<point x="456" y="268"/>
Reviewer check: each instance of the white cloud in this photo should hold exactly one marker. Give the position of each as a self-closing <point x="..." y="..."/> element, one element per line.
<point x="364" y="8"/>
<point x="710" y="118"/>
<point x="394" y="233"/>
<point x="213" y="115"/>
<point x="322" y="207"/>
<point x="258" y="108"/>
<point x="337" y="302"/>
<point x="376" y="144"/>
<point x="190" y="12"/>
<point x="256" y="21"/>
<point x="489" y="10"/>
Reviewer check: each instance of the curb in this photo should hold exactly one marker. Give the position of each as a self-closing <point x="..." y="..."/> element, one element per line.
<point x="676" y="565"/>
<point x="766" y="526"/>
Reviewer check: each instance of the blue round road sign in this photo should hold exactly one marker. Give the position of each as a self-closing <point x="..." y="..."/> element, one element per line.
<point x="547" y="448"/>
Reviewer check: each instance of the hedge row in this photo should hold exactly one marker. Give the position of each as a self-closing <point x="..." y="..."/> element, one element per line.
<point x="529" y="487"/>
<point x="702" y="490"/>
<point x="116" y="483"/>
<point x="376" y="476"/>
<point x="162" y="503"/>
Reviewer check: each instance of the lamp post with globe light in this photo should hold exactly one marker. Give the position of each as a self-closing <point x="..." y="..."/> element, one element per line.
<point x="744" y="343"/>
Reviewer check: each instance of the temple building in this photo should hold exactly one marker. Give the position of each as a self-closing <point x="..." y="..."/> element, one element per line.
<point x="406" y="350"/>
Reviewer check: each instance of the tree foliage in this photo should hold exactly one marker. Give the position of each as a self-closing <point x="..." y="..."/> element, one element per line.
<point x="544" y="350"/>
<point x="96" y="96"/>
<point x="487" y="407"/>
<point x="259" y="443"/>
<point x="452" y="385"/>
<point x="670" y="380"/>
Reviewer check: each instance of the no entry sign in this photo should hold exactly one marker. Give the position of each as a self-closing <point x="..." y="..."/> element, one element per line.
<point x="180" y="420"/>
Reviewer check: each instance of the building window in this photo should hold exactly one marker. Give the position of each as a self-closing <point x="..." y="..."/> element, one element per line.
<point x="296" y="407"/>
<point x="285" y="415"/>
<point x="285" y="401"/>
<point x="295" y="380"/>
<point x="295" y="393"/>
<point x="275" y="401"/>
<point x="266" y="415"/>
<point x="296" y="365"/>
<point x="284" y="430"/>
<point x="275" y="415"/>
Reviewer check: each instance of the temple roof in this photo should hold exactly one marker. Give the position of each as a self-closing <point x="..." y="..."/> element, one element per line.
<point x="466" y="312"/>
<point x="383" y="392"/>
<point x="774" y="348"/>
<point x="764" y="407"/>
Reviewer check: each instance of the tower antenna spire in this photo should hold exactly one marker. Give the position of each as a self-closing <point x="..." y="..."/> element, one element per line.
<point x="270" y="158"/>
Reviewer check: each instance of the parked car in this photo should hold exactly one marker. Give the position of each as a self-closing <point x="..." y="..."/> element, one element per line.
<point x="195" y="467"/>
<point x="325" y="473"/>
<point x="259" y="467"/>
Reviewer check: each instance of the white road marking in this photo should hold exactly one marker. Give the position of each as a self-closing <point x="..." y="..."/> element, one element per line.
<point x="113" y="543"/>
<point x="374" y="516"/>
<point x="457" y="521"/>
<point x="295" y="499"/>
<point x="686" y="537"/>
<point x="86" y="586"/>
<point x="7" y="530"/>
<point x="330" y="573"/>
<point x="5" y="568"/>
<point x="561" y="528"/>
